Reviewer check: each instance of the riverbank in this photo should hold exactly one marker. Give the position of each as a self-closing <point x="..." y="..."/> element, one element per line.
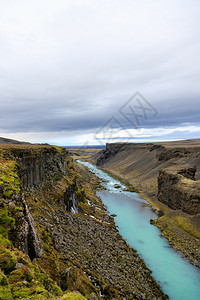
<point x="176" y="226"/>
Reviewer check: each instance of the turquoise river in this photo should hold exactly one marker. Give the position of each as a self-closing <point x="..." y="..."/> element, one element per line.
<point x="177" y="277"/>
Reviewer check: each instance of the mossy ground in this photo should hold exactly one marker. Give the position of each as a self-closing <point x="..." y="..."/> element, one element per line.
<point x="25" y="282"/>
<point x="9" y="177"/>
<point x="7" y="223"/>
<point x="73" y="296"/>
<point x="181" y="233"/>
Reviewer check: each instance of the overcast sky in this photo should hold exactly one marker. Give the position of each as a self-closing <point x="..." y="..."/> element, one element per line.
<point x="70" y="70"/>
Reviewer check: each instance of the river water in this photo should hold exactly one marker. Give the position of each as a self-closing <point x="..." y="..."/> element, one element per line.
<point x="177" y="277"/>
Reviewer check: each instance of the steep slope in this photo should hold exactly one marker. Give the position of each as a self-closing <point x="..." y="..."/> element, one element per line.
<point x="55" y="234"/>
<point x="141" y="163"/>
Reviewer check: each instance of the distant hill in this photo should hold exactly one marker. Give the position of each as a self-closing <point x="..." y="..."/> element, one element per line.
<point x="10" y="141"/>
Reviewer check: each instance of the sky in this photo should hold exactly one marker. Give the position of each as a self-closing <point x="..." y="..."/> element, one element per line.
<point x="89" y="72"/>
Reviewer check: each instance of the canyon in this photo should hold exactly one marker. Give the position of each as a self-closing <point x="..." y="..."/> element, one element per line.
<point x="57" y="240"/>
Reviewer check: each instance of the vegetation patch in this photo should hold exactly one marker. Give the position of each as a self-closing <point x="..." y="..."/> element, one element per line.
<point x="186" y="225"/>
<point x="75" y="280"/>
<point x="73" y="296"/>
<point x="5" y="293"/>
<point x="9" y="177"/>
<point x="181" y="234"/>
<point x="7" y="260"/>
<point x="24" y="293"/>
<point x="6" y="223"/>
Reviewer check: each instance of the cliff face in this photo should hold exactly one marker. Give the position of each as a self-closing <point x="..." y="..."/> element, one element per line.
<point x="30" y="166"/>
<point x="38" y="164"/>
<point x="55" y="234"/>
<point x="178" y="190"/>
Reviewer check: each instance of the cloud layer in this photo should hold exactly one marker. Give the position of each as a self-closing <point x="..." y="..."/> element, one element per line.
<point x="67" y="66"/>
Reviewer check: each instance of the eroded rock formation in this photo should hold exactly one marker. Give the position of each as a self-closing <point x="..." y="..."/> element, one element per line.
<point x="178" y="190"/>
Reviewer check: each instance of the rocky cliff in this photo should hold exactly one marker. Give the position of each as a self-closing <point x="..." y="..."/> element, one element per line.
<point x="56" y="236"/>
<point x="141" y="164"/>
<point x="178" y="190"/>
<point x="37" y="163"/>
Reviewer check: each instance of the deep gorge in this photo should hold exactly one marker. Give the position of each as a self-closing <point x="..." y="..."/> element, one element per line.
<point x="53" y="250"/>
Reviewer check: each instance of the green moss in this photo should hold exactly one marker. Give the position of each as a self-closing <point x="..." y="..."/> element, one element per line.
<point x="18" y="209"/>
<point x="186" y="225"/>
<point x="41" y="277"/>
<point x="47" y="282"/>
<point x="21" y="274"/>
<point x="45" y="237"/>
<point x="5" y="293"/>
<point x="56" y="290"/>
<point x="28" y="293"/>
<point x="4" y="241"/>
<point x="61" y="150"/>
<point x="73" y="296"/>
<point x="6" y="223"/>
<point x="9" y="177"/>
<point x="3" y="279"/>
<point x="77" y="280"/>
<point x="29" y="283"/>
<point x="7" y="260"/>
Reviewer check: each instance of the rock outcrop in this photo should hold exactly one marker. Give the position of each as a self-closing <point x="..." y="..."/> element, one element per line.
<point x="178" y="190"/>
<point x="111" y="150"/>
<point x="26" y="236"/>
<point x="39" y="164"/>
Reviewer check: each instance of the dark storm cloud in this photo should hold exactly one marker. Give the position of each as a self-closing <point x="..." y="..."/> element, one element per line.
<point x="70" y="66"/>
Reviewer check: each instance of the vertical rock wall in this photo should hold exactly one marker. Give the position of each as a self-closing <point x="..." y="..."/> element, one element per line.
<point x="178" y="190"/>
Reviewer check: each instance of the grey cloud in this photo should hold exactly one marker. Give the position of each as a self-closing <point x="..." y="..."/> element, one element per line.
<point x="72" y="65"/>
